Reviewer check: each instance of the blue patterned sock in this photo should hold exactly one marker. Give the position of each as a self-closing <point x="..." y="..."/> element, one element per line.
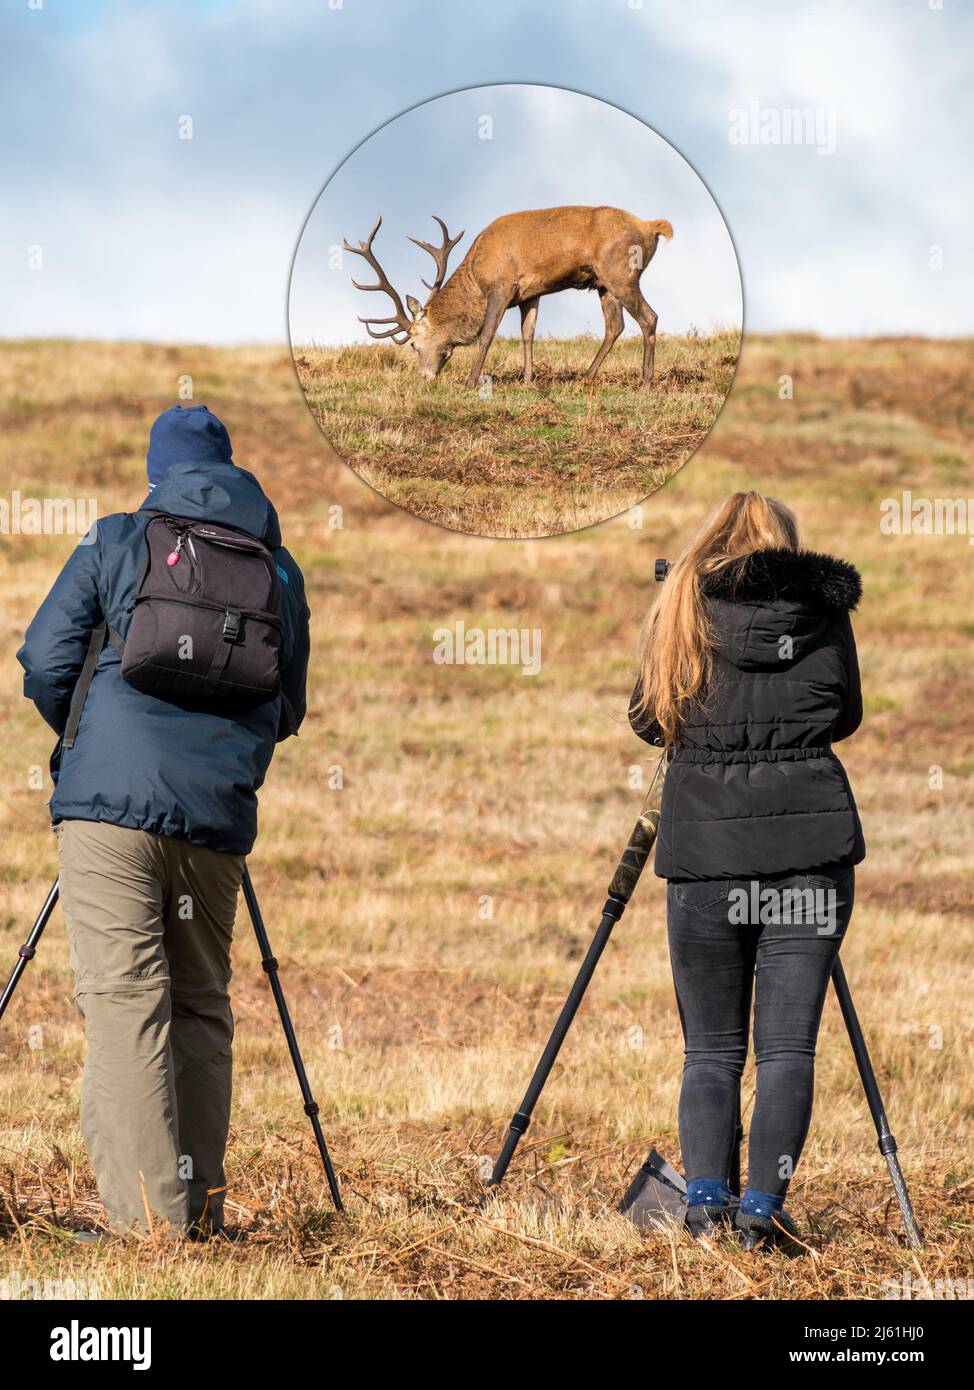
<point x="708" y="1192"/>
<point x="761" y="1203"/>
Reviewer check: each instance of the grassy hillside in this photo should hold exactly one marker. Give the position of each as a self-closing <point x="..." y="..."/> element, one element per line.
<point x="430" y="912"/>
<point x="522" y="460"/>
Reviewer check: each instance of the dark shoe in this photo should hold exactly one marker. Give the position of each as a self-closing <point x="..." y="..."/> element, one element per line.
<point x="769" y="1233"/>
<point x="233" y="1234"/>
<point x="704" y="1221"/>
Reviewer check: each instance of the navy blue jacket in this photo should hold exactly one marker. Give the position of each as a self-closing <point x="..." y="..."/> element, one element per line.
<point x="139" y="761"/>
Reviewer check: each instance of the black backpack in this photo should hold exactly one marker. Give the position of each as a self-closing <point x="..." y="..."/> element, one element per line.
<point x="206" y="624"/>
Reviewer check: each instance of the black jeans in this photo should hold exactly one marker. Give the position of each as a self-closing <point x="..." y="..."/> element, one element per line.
<point x="778" y="939"/>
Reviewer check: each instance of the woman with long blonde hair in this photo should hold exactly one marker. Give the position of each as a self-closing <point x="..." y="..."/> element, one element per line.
<point x="748" y="676"/>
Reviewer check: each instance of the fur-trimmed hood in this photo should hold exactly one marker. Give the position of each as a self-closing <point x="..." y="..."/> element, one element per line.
<point x="771" y="606"/>
<point x="799" y="576"/>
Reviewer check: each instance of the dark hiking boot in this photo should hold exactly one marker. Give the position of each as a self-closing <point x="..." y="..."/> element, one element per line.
<point x="232" y="1234"/>
<point x="704" y="1221"/>
<point x="769" y="1233"/>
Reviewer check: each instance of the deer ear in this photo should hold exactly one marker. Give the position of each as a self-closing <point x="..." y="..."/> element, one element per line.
<point x="414" y="306"/>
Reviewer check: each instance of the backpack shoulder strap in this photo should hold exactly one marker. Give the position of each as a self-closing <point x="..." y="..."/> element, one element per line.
<point x="95" y="647"/>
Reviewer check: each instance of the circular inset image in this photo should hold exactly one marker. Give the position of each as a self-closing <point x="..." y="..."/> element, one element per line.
<point x="439" y="337"/>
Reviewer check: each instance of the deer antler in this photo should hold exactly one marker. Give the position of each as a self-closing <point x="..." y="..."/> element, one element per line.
<point x="401" y="319"/>
<point x="440" y="254"/>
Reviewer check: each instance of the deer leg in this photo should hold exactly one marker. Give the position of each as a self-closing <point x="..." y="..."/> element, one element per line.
<point x="646" y="318"/>
<point x="497" y="302"/>
<point x="649" y="343"/>
<point x="529" y="317"/>
<point x="632" y="299"/>
<point x="612" y="313"/>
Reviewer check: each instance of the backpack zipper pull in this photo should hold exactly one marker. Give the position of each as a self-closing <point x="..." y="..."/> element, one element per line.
<point x="173" y="557"/>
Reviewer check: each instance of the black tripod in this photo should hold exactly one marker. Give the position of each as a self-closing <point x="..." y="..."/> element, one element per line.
<point x="658" y="1187"/>
<point x="268" y="961"/>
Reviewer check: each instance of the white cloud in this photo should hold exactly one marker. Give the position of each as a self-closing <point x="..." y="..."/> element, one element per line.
<point x="841" y="243"/>
<point x="150" y="237"/>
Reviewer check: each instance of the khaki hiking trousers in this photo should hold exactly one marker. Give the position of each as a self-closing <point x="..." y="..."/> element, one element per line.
<point x="150" y="921"/>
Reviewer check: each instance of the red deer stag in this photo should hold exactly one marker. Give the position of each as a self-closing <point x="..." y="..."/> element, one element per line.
<point x="514" y="261"/>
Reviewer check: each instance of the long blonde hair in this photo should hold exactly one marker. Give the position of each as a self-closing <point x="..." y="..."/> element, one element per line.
<point x="676" y="656"/>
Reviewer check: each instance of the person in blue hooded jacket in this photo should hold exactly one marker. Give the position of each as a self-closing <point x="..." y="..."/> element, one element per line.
<point x="155" y="809"/>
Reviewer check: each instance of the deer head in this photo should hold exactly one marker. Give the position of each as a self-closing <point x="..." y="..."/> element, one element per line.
<point x="432" y="345"/>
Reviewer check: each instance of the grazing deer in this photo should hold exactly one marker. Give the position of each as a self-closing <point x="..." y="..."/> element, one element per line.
<point x="514" y="261"/>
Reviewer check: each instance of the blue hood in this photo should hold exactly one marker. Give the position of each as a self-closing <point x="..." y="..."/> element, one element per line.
<point x="218" y="492"/>
<point x="186" y="434"/>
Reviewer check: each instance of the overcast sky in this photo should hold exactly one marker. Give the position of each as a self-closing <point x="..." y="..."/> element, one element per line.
<point x="113" y="226"/>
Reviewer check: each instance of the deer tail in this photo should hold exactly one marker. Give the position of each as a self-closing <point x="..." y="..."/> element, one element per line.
<point x="660" y="228"/>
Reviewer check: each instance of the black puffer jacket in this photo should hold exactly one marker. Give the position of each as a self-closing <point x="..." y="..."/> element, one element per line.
<point x="753" y="787"/>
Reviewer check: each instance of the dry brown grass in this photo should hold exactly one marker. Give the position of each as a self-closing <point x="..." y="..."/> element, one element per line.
<point x="419" y="1019"/>
<point x="526" y="460"/>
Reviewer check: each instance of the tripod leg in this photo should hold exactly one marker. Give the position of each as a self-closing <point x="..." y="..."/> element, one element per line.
<point x="269" y="962"/>
<point x="611" y="913"/>
<point x="887" y="1143"/>
<point x="624" y="880"/>
<point x="26" y="952"/>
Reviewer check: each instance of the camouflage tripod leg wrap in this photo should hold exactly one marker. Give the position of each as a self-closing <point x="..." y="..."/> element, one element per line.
<point x="635" y="856"/>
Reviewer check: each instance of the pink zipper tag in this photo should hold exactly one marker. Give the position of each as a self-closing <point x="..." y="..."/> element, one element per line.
<point x="173" y="557"/>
